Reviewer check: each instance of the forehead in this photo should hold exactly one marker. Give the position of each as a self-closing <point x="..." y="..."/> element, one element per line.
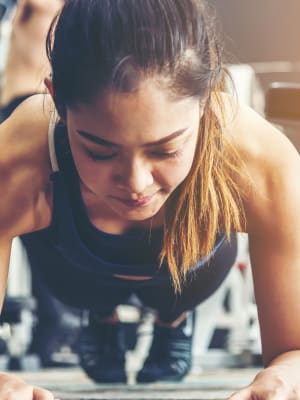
<point x="151" y="111"/>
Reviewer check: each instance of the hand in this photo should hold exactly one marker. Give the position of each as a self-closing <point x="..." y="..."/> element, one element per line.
<point x="273" y="383"/>
<point x="11" y="387"/>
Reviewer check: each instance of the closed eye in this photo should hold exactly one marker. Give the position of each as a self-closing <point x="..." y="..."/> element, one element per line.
<point x="105" y="157"/>
<point x="99" y="157"/>
<point x="162" y="154"/>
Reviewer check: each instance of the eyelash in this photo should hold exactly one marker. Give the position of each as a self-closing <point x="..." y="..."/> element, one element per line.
<point x="97" y="157"/>
<point x="174" y="154"/>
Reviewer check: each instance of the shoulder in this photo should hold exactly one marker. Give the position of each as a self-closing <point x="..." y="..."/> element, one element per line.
<point x="24" y="134"/>
<point x="41" y="6"/>
<point x="270" y="186"/>
<point x="24" y="164"/>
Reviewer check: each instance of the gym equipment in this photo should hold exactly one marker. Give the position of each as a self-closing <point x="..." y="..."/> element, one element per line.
<point x="282" y="108"/>
<point x="283" y="103"/>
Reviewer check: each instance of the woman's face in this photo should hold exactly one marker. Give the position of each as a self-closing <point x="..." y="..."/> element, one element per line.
<point x="132" y="150"/>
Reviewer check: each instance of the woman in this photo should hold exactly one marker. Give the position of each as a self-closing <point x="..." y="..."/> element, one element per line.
<point x="138" y="183"/>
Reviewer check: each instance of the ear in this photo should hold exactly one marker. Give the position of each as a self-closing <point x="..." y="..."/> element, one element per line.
<point x="49" y="86"/>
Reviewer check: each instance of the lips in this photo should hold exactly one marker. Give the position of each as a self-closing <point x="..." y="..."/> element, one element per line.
<point x="136" y="203"/>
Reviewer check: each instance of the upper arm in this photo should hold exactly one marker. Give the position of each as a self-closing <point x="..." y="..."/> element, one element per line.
<point x="23" y="155"/>
<point x="24" y="168"/>
<point x="272" y="207"/>
<point x="275" y="258"/>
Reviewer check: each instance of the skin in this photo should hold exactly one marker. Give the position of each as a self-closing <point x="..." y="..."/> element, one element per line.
<point x="137" y="166"/>
<point x="271" y="196"/>
<point x="27" y="63"/>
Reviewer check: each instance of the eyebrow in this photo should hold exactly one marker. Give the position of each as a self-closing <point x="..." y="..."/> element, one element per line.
<point x="98" y="140"/>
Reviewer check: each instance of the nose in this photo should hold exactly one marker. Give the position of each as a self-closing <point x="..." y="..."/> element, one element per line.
<point x="135" y="176"/>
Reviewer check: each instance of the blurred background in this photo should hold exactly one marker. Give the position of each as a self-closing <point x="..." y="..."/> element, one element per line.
<point x="261" y="43"/>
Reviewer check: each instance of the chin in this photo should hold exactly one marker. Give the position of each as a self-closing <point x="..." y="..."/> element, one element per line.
<point x="139" y="214"/>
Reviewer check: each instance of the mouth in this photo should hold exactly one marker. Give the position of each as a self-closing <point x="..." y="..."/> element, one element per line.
<point x="143" y="202"/>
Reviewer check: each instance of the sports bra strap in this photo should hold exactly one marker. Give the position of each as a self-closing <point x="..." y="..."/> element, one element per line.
<point x="53" y="158"/>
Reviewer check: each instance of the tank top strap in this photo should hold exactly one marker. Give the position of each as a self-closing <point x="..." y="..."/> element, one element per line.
<point x="51" y="143"/>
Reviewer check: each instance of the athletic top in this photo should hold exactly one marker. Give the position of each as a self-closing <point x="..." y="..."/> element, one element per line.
<point x="79" y="247"/>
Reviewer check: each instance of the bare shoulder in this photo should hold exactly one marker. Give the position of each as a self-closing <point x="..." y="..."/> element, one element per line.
<point x="271" y="185"/>
<point x="25" y="167"/>
<point x="43" y="6"/>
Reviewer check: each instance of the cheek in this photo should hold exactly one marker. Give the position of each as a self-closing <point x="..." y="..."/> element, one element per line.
<point x="174" y="172"/>
<point x="91" y="173"/>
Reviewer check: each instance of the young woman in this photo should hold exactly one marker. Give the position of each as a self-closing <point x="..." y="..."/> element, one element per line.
<point x="137" y="183"/>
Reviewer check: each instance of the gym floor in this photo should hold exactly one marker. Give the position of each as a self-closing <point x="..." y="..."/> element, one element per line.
<point x="72" y="384"/>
